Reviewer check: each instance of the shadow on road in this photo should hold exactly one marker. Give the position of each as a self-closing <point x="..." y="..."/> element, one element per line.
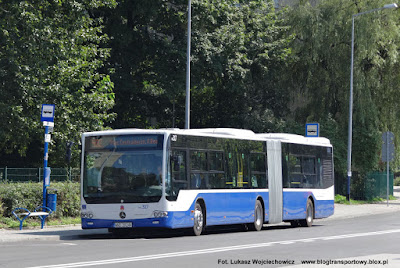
<point x="168" y="233"/>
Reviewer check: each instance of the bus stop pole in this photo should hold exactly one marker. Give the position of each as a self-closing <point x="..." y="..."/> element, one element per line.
<point x="387" y="167"/>
<point x="45" y="159"/>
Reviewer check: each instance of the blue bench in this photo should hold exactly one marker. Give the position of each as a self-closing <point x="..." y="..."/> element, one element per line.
<point x="41" y="212"/>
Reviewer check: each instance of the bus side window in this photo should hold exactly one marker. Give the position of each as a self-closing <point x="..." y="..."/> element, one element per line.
<point x="309" y="172"/>
<point x="178" y="172"/>
<point x="216" y="175"/>
<point x="217" y="181"/>
<point x="231" y="171"/>
<point x="259" y="175"/>
<point x="295" y="171"/>
<point x="178" y="163"/>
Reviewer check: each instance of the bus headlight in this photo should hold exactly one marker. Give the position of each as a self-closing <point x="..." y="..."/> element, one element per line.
<point x="160" y="214"/>
<point x="86" y="215"/>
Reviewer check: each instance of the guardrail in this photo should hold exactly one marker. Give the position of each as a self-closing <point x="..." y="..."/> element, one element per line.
<point x="8" y="174"/>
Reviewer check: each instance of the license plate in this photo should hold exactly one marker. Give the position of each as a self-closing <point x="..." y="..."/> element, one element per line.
<point x="123" y="225"/>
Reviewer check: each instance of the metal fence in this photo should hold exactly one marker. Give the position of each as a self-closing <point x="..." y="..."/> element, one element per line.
<point x="8" y="174"/>
<point x="365" y="187"/>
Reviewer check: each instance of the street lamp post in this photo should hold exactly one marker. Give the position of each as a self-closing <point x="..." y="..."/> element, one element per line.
<point x="189" y="33"/>
<point x="388" y="6"/>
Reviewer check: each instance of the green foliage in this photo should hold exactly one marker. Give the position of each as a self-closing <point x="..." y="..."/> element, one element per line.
<point x="319" y="77"/>
<point x="236" y="51"/>
<point x="12" y="222"/>
<point x="68" y="199"/>
<point x="396" y="181"/>
<point x="340" y="199"/>
<point x="30" y="195"/>
<point x="26" y="195"/>
<point x="252" y="67"/>
<point x="64" y="221"/>
<point x="2" y="207"/>
<point x="51" y="52"/>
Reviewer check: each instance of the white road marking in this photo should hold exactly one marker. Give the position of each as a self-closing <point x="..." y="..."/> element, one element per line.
<point x="287" y="242"/>
<point x="307" y="240"/>
<point x="212" y="250"/>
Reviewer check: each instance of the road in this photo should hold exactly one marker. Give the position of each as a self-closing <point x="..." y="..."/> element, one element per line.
<point x="372" y="239"/>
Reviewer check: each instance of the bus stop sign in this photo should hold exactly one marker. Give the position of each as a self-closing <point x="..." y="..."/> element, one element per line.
<point x="47" y="114"/>
<point x="387" y="146"/>
<point x="312" y="130"/>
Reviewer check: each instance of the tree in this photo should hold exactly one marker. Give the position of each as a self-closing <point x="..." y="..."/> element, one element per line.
<point x="51" y="52"/>
<point x="320" y="73"/>
<point x="148" y="58"/>
<point x="236" y="50"/>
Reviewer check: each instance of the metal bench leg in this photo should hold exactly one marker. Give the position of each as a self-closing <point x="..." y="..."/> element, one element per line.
<point x="21" y="221"/>
<point x="43" y="217"/>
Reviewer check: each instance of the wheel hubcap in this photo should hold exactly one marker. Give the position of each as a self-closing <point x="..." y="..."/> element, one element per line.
<point x="198" y="219"/>
<point x="309" y="214"/>
<point x="258" y="216"/>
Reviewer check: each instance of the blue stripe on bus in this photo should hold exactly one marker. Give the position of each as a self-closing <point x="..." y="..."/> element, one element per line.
<point x="100" y="223"/>
<point x="294" y="206"/>
<point x="223" y="208"/>
<point x="324" y="208"/>
<point x="227" y="208"/>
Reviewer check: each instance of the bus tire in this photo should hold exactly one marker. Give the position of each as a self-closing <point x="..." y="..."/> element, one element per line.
<point x="258" y="217"/>
<point x="198" y="220"/>
<point x="308" y="221"/>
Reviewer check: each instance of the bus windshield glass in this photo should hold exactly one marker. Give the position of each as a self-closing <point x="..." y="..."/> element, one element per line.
<point x="122" y="169"/>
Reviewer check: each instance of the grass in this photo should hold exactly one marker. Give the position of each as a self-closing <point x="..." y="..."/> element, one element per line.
<point x="340" y="199"/>
<point x="13" y="223"/>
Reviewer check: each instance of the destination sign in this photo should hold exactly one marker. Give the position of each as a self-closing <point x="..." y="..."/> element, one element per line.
<point x="123" y="142"/>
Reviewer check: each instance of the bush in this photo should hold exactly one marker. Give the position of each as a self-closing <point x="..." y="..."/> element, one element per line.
<point x="68" y="199"/>
<point x="30" y="195"/>
<point x="397" y="182"/>
<point x="1" y="207"/>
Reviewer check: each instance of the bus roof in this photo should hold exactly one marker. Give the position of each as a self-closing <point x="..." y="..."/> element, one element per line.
<point x="285" y="137"/>
<point x="220" y="132"/>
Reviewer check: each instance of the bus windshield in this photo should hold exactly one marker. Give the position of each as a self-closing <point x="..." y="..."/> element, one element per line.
<point x="122" y="169"/>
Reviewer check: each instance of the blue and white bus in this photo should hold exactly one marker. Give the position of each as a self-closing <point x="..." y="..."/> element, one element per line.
<point x="195" y="178"/>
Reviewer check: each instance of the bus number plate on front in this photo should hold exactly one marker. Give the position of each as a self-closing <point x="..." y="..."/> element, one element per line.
<point x="123" y="225"/>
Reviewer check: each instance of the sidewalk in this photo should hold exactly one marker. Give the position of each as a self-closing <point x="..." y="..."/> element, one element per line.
<point x="352" y="211"/>
<point x="48" y="233"/>
<point x="71" y="232"/>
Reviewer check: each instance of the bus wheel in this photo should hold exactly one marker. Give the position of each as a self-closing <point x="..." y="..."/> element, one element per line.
<point x="258" y="217"/>
<point x="198" y="224"/>
<point x="308" y="221"/>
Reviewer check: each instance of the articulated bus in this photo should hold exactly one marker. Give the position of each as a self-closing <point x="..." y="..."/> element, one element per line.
<point x="195" y="178"/>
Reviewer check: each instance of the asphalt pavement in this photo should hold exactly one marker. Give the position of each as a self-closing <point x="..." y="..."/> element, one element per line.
<point x="70" y="232"/>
